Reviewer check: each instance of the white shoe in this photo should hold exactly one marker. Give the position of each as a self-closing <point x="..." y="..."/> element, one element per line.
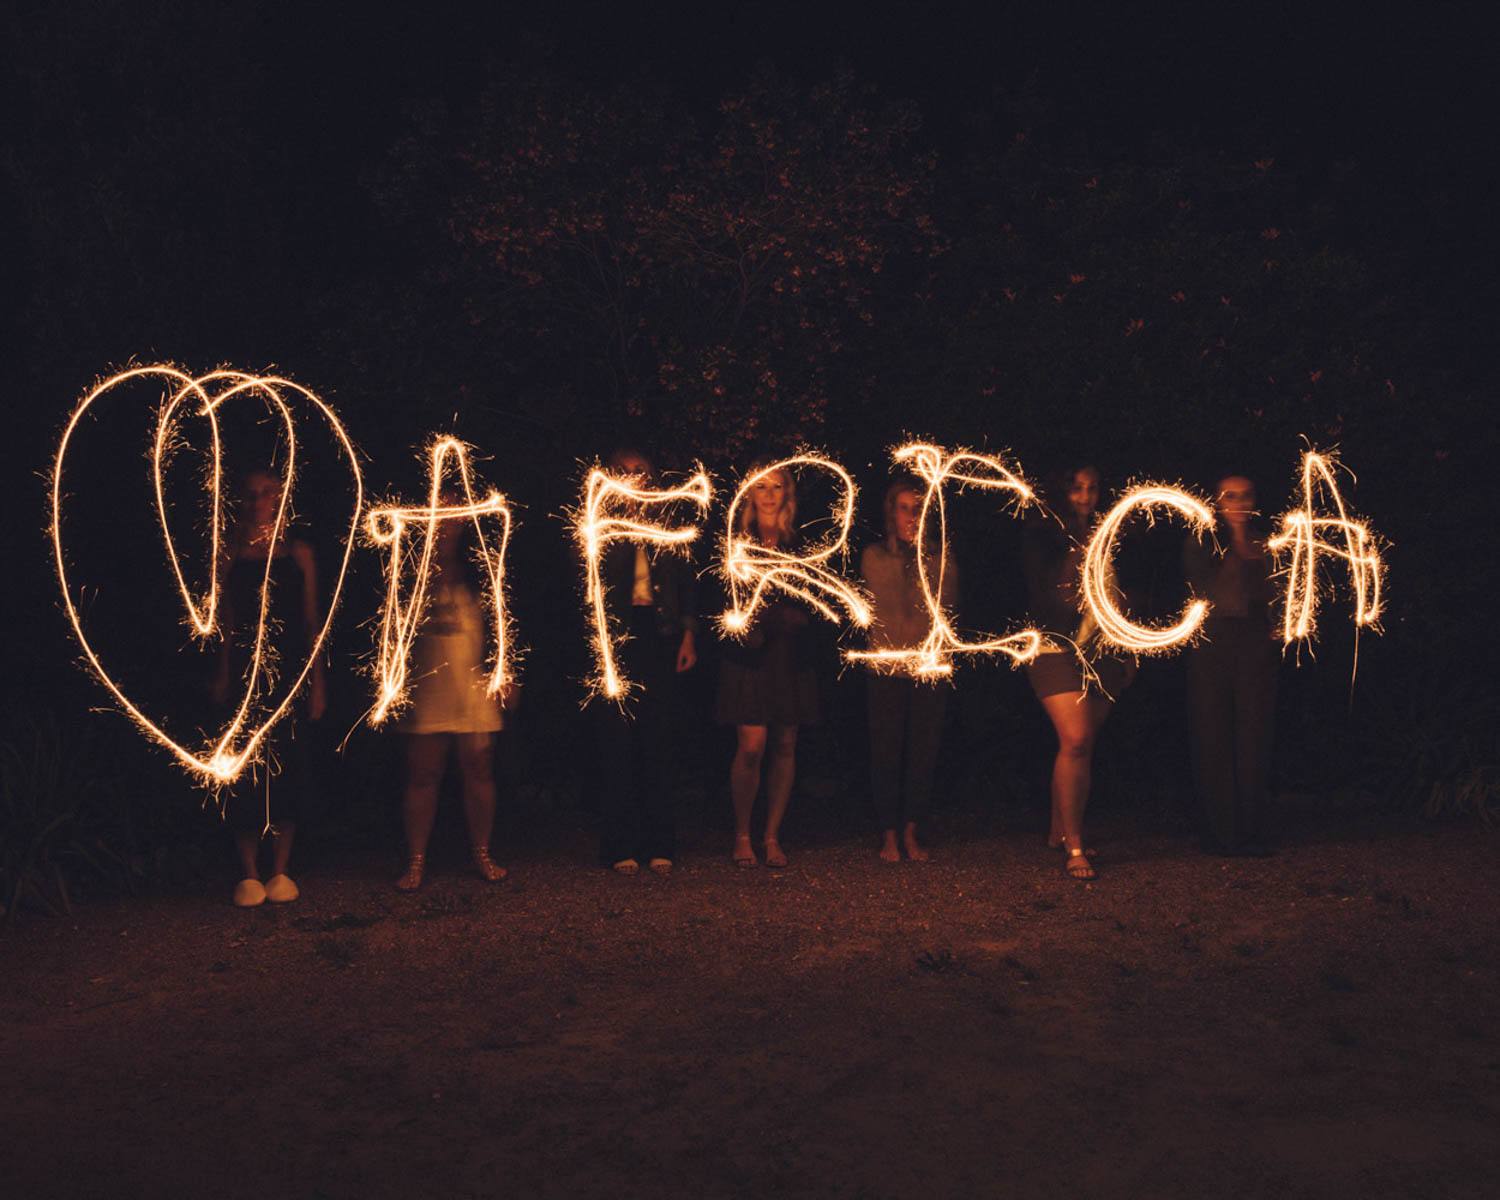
<point x="248" y="893"/>
<point x="281" y="890"/>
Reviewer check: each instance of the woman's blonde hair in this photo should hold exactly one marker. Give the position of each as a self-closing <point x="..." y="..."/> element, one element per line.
<point x="788" y="514"/>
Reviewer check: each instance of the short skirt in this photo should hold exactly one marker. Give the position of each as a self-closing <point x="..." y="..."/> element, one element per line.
<point x="762" y="695"/>
<point x="1060" y="673"/>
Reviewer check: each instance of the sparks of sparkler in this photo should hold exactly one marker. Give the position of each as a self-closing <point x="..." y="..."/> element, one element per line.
<point x="1306" y="533"/>
<point x="595" y="526"/>
<point x="934" y="656"/>
<point x="1098" y="584"/>
<point x="388" y="526"/>
<point x="242" y="739"/>
<point x="751" y="569"/>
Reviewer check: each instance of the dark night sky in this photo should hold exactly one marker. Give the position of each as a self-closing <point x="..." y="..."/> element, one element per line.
<point x="1411" y="98"/>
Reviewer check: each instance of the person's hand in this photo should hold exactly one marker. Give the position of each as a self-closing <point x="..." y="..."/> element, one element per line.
<point x="317" y="697"/>
<point x="687" y="653"/>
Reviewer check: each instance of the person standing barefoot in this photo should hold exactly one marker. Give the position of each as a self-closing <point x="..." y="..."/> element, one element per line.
<point x="766" y="685"/>
<point x="905" y="714"/>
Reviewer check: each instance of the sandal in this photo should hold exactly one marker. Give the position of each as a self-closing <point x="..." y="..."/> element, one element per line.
<point x="411" y="878"/>
<point x="744" y="853"/>
<point x="489" y="870"/>
<point x="775" y="856"/>
<point x="626" y="866"/>
<point x="1078" y="867"/>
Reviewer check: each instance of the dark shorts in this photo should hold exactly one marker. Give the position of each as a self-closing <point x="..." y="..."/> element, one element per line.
<point x="1060" y="673"/>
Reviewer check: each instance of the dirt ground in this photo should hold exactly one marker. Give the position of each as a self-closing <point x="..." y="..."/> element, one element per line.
<point x="1323" y="1023"/>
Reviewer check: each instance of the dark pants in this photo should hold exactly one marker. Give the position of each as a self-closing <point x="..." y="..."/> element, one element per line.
<point x="1232" y="706"/>
<point x="637" y="817"/>
<point x="906" y="727"/>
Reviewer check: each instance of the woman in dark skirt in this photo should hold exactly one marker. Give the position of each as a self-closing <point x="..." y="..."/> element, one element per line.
<point x="271" y="798"/>
<point x="766" y="685"/>
<point x="1232" y="675"/>
<point x="1077" y="708"/>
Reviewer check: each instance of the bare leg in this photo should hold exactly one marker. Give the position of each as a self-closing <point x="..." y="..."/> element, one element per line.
<point x="247" y="846"/>
<point x="1076" y="718"/>
<point x="781" y="770"/>
<point x="479" y="800"/>
<point x="425" y="756"/>
<point x="914" y="849"/>
<point x="282" y="835"/>
<point x="744" y="783"/>
<point x="890" y="851"/>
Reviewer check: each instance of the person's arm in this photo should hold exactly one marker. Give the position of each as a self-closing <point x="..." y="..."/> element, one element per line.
<point x="949" y="596"/>
<point x="317" y="695"/>
<point x="1197" y="565"/>
<point x="685" y="583"/>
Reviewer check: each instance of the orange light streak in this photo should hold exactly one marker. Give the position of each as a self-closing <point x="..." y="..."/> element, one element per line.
<point x="594" y="529"/>
<point x="934" y="656"/>
<point x="751" y="569"/>
<point x="241" y="740"/>
<point x="400" y="623"/>
<point x="1309" y="534"/>
<point x="1098" y="584"/>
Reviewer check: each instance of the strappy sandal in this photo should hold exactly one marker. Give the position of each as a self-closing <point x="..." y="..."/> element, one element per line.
<point x="411" y="878"/>
<point x="489" y="870"/>
<point x="626" y="866"/>
<point x="744" y="853"/>
<point x="775" y="856"/>
<point x="1078" y="867"/>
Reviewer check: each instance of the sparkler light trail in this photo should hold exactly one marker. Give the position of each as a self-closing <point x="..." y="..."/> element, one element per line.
<point x="387" y="525"/>
<point x="594" y="528"/>
<point x="242" y="739"/>
<point x="751" y="569"/>
<point x="934" y="656"/>
<point x="1098" y="584"/>
<point x="1308" y="534"/>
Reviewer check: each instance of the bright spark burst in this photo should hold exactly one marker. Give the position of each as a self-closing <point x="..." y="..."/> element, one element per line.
<point x="594" y="529"/>
<point x="751" y="568"/>
<point x="1307" y="534"/>
<point x="241" y="740"/>
<point x="399" y="623"/>
<point x="934" y="656"/>
<point x="1098" y="584"/>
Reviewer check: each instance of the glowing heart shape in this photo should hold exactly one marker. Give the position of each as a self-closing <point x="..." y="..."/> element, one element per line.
<point x="238" y="744"/>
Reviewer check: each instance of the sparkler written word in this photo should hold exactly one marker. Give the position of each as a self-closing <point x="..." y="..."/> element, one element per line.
<point x="612" y="509"/>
